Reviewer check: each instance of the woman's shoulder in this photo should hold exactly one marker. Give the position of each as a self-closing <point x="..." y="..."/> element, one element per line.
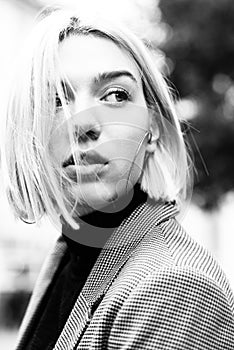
<point x="167" y="255"/>
<point x="172" y="283"/>
<point x="187" y="253"/>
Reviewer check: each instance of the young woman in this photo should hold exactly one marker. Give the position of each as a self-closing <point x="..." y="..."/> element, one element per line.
<point x="93" y="141"/>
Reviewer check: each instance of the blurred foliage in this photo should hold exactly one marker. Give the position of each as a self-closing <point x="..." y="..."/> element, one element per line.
<point x="200" y="52"/>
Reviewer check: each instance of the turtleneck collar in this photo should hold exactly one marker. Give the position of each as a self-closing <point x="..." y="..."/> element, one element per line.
<point x="112" y="215"/>
<point x="97" y="226"/>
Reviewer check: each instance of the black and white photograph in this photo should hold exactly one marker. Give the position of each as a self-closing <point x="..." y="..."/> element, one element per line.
<point x="117" y="175"/>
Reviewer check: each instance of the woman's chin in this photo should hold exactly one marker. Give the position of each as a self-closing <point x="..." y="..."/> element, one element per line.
<point x="97" y="196"/>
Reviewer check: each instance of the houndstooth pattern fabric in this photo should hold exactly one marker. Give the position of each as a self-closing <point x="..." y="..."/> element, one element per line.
<point x="152" y="287"/>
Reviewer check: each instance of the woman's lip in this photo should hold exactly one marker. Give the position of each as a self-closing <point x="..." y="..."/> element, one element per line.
<point x="85" y="170"/>
<point x="90" y="157"/>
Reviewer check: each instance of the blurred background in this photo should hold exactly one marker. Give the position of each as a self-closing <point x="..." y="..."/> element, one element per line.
<point x="195" y="43"/>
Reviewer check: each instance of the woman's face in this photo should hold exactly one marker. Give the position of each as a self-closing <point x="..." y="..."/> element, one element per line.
<point x="109" y="119"/>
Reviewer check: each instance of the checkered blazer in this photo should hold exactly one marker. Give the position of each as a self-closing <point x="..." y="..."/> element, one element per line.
<point x="152" y="287"/>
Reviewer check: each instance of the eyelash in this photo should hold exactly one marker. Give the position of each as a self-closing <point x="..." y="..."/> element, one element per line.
<point x="58" y="102"/>
<point x="116" y="91"/>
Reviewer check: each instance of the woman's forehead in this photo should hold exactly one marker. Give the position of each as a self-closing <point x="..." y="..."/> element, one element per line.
<point x="89" y="56"/>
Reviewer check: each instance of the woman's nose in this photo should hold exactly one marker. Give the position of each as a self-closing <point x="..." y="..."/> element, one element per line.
<point x="85" y="119"/>
<point x="87" y="133"/>
<point x="86" y="126"/>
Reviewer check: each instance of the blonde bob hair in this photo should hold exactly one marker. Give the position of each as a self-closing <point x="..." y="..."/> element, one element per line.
<point x="34" y="185"/>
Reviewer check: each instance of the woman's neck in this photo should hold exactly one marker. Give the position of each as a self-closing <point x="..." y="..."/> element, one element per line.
<point x="97" y="226"/>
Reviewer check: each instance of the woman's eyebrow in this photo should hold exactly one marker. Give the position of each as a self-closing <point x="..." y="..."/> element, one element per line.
<point x="105" y="77"/>
<point x="99" y="80"/>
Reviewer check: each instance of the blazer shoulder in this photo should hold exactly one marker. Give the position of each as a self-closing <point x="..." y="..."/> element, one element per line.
<point x="189" y="254"/>
<point x="167" y="245"/>
<point x="187" y="286"/>
<point x="181" y="305"/>
<point x="180" y="281"/>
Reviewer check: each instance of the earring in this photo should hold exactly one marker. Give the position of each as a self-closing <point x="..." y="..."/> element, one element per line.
<point x="149" y="137"/>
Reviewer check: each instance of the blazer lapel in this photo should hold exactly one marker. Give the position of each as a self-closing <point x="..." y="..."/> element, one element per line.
<point x="113" y="256"/>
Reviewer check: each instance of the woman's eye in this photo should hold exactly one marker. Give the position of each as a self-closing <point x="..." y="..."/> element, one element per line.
<point x="116" y="96"/>
<point x="58" y="102"/>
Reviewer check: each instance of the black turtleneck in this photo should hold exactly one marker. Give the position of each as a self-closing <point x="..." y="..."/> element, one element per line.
<point x="97" y="227"/>
<point x="75" y="267"/>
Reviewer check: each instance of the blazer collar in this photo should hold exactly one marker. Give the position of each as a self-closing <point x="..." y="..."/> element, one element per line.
<point x="113" y="256"/>
<point x="121" y="244"/>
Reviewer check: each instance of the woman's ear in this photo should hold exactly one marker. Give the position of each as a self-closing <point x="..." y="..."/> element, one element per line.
<point x="153" y="134"/>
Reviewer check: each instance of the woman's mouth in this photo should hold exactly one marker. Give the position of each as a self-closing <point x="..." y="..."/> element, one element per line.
<point x="89" y="165"/>
<point x="84" y="171"/>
